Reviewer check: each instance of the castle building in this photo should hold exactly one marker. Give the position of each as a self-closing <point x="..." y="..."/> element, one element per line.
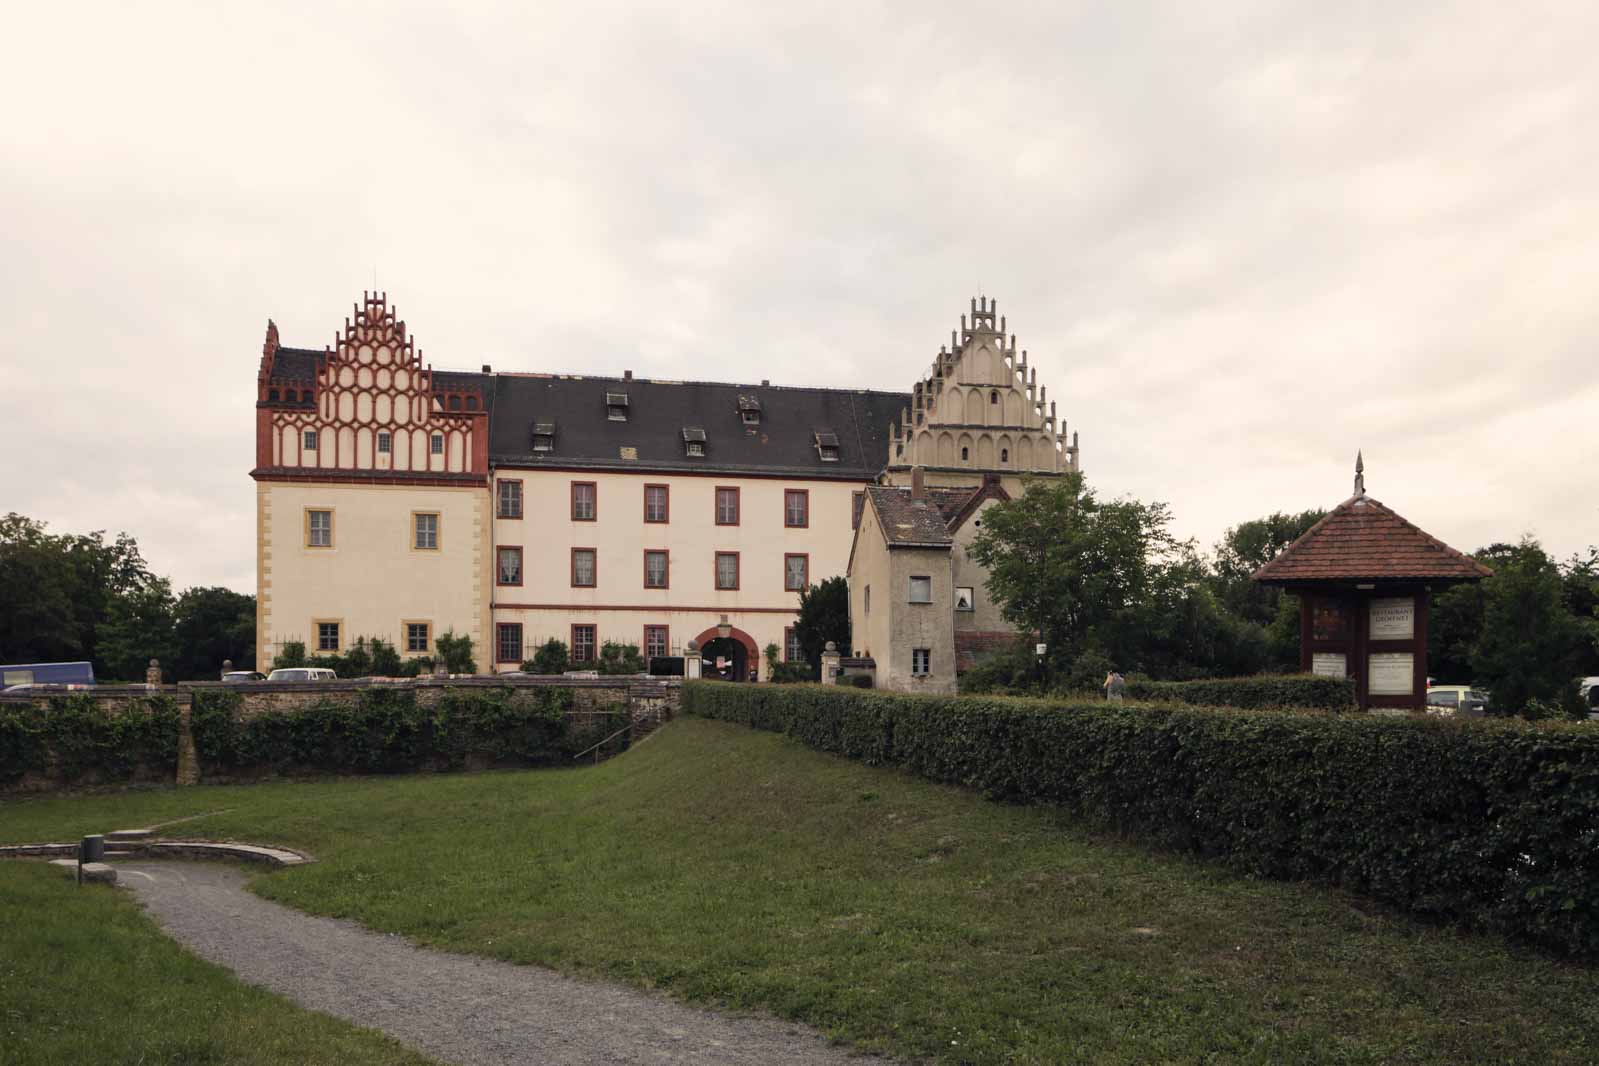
<point x="978" y="422"/>
<point x="398" y="501"/>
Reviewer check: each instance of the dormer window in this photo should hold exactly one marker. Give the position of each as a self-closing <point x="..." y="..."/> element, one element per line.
<point x="616" y="406"/>
<point x="694" y="441"/>
<point x="827" y="445"/>
<point x="544" y="436"/>
<point x="749" y="410"/>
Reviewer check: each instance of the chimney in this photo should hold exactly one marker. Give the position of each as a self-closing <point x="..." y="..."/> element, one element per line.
<point x="766" y="381"/>
<point x="487" y="369"/>
<point x="627" y="375"/>
<point x="918" y="484"/>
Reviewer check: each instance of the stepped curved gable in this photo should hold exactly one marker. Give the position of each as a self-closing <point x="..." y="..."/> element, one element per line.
<point x="980" y="408"/>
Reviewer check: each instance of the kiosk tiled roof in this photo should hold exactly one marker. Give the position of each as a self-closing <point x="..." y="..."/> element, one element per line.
<point x="1361" y="539"/>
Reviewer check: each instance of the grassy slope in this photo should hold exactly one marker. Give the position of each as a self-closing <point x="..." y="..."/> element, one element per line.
<point x="742" y="869"/>
<point x="85" y="977"/>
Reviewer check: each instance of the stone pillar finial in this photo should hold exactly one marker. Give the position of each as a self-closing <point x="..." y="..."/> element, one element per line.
<point x="227" y="668"/>
<point x="1360" y="474"/>
<point x="152" y="675"/>
<point x="830" y="664"/>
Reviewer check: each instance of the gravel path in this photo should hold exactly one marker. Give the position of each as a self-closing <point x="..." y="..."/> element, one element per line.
<point x="454" y="1007"/>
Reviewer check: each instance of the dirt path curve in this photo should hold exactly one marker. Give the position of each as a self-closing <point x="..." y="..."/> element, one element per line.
<point x="454" y="1007"/>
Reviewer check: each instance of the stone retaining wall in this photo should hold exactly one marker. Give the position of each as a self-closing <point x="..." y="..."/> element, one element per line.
<point x="647" y="700"/>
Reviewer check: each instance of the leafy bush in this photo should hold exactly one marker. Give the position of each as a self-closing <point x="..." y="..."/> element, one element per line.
<point x="387" y="731"/>
<point x="1263" y="691"/>
<point x="782" y="673"/>
<point x="73" y="738"/>
<point x="620" y="659"/>
<point x="456" y="651"/>
<point x="551" y="658"/>
<point x="1491" y="824"/>
<point x="291" y="655"/>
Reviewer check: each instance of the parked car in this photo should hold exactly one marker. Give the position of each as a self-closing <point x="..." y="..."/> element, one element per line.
<point x="1589" y="687"/>
<point x="303" y="673"/>
<point x="1462" y="700"/>
<point x="73" y="675"/>
<point x="234" y="677"/>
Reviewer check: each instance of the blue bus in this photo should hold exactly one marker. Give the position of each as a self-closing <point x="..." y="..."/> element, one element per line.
<point x="80" y="674"/>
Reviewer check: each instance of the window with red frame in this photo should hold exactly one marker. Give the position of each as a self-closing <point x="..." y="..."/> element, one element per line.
<point x="793" y="651"/>
<point x="510" y="567"/>
<point x="582" y="644"/>
<point x="584" y="508"/>
<point x="508" y="642"/>
<point x="657" y="503"/>
<point x="727" y="506"/>
<point x="796" y="508"/>
<point x="727" y="570"/>
<point x="510" y="500"/>
<point x="655" y="570"/>
<point x="656" y="643"/>
<point x="583" y="575"/>
<point x="796" y="572"/>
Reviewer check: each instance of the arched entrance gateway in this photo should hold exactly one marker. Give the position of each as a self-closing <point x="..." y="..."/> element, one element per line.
<point x="733" y="657"/>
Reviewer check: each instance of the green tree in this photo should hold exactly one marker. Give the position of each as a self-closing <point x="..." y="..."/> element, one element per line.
<point x="38" y="622"/>
<point x="1068" y="566"/>
<point x="1180" y="629"/>
<point x="1247" y="547"/>
<point x="823" y="617"/>
<point x="138" y="628"/>
<point x="1580" y="578"/>
<point x="1530" y="644"/>
<point x="213" y="625"/>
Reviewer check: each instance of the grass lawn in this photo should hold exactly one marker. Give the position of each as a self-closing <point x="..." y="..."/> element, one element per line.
<point x="739" y="868"/>
<point x="85" y="977"/>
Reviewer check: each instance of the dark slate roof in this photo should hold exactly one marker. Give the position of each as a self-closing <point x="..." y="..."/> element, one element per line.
<point x="295" y="364"/>
<point x="909" y="522"/>
<point x="457" y="379"/>
<point x="1363" y="540"/>
<point x="659" y="411"/>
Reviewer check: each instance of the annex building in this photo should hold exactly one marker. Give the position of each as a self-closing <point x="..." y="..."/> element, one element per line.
<point x="398" y="501"/>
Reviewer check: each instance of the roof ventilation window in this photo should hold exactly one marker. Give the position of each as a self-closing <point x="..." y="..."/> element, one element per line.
<point x="827" y="445"/>
<point x="749" y="410"/>
<point x="616" y="406"/>
<point x="544" y="436"/>
<point x="693" y="441"/>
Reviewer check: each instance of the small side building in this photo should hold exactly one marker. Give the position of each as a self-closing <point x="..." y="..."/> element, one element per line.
<point x="1365" y="578"/>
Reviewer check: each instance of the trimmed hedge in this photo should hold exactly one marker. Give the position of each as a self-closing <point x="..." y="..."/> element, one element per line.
<point x="72" y="740"/>
<point x="1262" y="691"/>
<point x="388" y="731"/>
<point x="1491" y="824"/>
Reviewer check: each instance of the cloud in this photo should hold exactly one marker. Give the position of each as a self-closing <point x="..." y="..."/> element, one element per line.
<point x="1239" y="241"/>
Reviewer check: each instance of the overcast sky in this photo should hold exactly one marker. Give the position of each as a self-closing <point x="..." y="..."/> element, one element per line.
<point x="1239" y="241"/>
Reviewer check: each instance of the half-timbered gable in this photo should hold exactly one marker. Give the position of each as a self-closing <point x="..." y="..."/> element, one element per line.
<point x="368" y="405"/>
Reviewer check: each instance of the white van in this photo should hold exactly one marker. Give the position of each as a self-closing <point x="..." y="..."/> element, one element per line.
<point x="1589" y="687"/>
<point x="303" y="673"/>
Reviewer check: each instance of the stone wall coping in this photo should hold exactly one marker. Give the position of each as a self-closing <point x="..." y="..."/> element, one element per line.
<point x="185" y="849"/>
<point x="473" y="681"/>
